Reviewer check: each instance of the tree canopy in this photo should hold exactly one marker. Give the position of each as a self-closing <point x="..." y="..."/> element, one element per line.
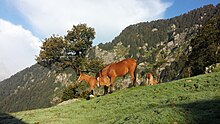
<point x="70" y="50"/>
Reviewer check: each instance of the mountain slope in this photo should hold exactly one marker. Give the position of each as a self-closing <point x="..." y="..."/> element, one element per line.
<point x="189" y="100"/>
<point x="158" y="31"/>
<point x="34" y="87"/>
<point x="161" y="47"/>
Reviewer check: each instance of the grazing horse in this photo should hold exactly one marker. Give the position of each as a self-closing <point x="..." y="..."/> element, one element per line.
<point x="90" y="80"/>
<point x="150" y="79"/>
<point x="119" y="69"/>
<point x="93" y="82"/>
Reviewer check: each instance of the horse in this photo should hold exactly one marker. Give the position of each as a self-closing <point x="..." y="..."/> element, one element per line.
<point x="150" y="79"/>
<point x="118" y="69"/>
<point x="92" y="82"/>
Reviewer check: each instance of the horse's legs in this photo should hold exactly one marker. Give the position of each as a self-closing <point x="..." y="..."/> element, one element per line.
<point x="105" y="90"/>
<point x="111" y="88"/>
<point x="133" y="77"/>
<point x="92" y="92"/>
<point x="123" y="80"/>
<point x="112" y="79"/>
<point x="147" y="82"/>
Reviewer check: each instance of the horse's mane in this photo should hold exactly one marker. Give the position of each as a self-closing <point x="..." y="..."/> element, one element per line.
<point x="97" y="73"/>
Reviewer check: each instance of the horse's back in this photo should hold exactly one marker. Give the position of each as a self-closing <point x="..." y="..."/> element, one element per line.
<point x="155" y="82"/>
<point x="105" y="70"/>
<point x="122" y="67"/>
<point x="93" y="81"/>
<point x="129" y="62"/>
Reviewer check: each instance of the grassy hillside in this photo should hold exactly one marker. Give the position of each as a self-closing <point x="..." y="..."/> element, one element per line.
<point x="163" y="47"/>
<point x="189" y="100"/>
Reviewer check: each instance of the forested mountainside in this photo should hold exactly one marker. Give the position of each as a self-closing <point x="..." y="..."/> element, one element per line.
<point x="34" y="87"/>
<point x="152" y="33"/>
<point x="164" y="46"/>
<point x="168" y="48"/>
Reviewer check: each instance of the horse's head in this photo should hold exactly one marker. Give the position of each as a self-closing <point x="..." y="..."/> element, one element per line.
<point x="80" y="78"/>
<point x="149" y="75"/>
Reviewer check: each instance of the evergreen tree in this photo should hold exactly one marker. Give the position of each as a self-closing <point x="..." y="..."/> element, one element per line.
<point x="69" y="51"/>
<point x="206" y="47"/>
<point x="79" y="41"/>
<point x="52" y="51"/>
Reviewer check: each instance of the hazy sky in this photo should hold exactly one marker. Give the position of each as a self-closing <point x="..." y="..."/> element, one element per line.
<point x="25" y="23"/>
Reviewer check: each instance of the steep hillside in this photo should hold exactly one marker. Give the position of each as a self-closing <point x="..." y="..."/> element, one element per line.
<point x="161" y="46"/>
<point x="189" y="100"/>
<point x="34" y="87"/>
<point x="152" y="33"/>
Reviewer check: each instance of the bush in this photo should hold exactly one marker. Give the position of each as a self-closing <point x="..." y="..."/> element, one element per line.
<point x="75" y="90"/>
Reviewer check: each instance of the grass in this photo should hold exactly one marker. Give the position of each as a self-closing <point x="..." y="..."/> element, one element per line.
<point x="189" y="100"/>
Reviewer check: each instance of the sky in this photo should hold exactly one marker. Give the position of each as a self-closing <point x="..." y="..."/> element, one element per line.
<point x="24" y="24"/>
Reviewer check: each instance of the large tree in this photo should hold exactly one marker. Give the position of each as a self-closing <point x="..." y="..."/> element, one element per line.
<point x="70" y="50"/>
<point x="52" y="51"/>
<point x="206" y="46"/>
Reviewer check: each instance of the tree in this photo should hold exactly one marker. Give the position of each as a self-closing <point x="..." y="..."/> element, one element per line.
<point x="206" y="46"/>
<point x="68" y="51"/>
<point x="52" y="51"/>
<point x="79" y="40"/>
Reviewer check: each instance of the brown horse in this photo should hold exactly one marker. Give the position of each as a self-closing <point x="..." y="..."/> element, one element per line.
<point x="93" y="82"/>
<point x="150" y="79"/>
<point x="90" y="80"/>
<point x="119" y="69"/>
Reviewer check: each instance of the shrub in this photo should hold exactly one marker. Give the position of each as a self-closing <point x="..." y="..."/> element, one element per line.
<point x="75" y="90"/>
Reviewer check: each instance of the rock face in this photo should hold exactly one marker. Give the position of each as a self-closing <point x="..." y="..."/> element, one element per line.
<point x="108" y="57"/>
<point x="68" y="102"/>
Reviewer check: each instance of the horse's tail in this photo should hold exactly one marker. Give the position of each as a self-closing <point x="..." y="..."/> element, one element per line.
<point x="138" y="61"/>
<point x="135" y="74"/>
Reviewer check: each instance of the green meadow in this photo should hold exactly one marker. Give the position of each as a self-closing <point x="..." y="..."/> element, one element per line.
<point x="189" y="100"/>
